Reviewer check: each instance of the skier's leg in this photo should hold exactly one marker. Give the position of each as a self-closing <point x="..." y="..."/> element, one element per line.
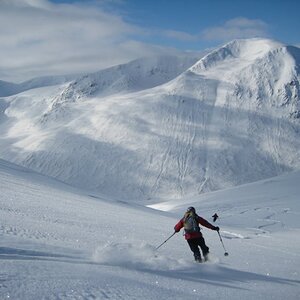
<point x="193" y="243"/>
<point x="204" y="248"/>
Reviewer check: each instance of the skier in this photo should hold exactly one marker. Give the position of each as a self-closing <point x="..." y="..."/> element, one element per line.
<point x="190" y="222"/>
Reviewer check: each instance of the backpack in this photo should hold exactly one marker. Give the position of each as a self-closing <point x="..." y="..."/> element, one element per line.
<point x="190" y="223"/>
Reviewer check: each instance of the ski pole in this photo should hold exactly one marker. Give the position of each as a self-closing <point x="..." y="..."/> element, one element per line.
<point x="164" y="241"/>
<point x="226" y="253"/>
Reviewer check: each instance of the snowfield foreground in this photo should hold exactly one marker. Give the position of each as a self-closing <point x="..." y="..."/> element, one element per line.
<point x="59" y="243"/>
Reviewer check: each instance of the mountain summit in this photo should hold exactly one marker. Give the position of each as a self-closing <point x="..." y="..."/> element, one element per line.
<point x="166" y="127"/>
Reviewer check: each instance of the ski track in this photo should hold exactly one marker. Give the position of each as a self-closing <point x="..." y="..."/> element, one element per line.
<point x="46" y="245"/>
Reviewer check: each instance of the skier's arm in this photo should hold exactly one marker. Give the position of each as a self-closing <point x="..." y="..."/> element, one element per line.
<point x="205" y="223"/>
<point x="178" y="226"/>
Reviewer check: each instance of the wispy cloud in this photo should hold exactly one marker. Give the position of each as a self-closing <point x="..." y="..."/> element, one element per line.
<point x="236" y="28"/>
<point x="38" y="37"/>
<point x="232" y="29"/>
<point x="179" y="35"/>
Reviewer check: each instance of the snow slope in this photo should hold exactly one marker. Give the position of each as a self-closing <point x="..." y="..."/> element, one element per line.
<point x="60" y="243"/>
<point x="158" y="128"/>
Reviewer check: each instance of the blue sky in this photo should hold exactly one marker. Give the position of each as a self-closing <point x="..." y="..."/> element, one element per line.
<point x="276" y="19"/>
<point x="51" y="37"/>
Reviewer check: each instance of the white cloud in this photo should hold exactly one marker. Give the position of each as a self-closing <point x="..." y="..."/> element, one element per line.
<point x="38" y="37"/>
<point x="236" y="28"/>
<point x="232" y="29"/>
<point x="179" y="35"/>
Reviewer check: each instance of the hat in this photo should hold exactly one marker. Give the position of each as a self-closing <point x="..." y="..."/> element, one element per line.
<point x="191" y="209"/>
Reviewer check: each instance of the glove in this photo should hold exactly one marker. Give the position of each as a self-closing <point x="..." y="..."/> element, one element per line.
<point x="217" y="228"/>
<point x="176" y="230"/>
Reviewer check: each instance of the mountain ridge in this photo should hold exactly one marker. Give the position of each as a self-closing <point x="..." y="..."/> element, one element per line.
<point x="10" y="88"/>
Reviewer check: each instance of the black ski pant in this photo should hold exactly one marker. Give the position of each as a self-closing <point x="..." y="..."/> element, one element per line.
<point x="194" y="245"/>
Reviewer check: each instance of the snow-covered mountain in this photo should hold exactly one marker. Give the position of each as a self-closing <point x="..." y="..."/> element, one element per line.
<point x="165" y="127"/>
<point x="9" y="88"/>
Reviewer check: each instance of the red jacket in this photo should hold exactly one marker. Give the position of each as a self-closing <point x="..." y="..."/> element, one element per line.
<point x="194" y="235"/>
